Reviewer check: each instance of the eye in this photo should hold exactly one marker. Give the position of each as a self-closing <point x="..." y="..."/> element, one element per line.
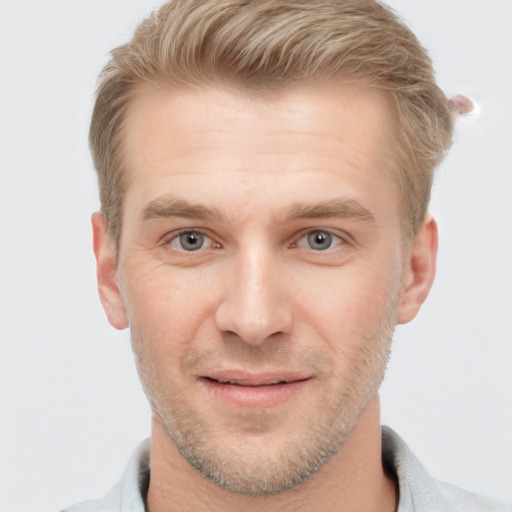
<point x="190" y="241"/>
<point x="318" y="240"/>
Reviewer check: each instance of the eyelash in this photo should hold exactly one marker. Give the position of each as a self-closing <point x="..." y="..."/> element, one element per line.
<point x="175" y="237"/>
<point x="332" y="239"/>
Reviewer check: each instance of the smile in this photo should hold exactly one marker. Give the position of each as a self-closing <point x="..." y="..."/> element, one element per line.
<point x="238" y="383"/>
<point x="241" y="389"/>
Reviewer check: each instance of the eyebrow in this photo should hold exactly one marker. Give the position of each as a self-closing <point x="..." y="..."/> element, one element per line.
<point x="165" y="207"/>
<point x="342" y="207"/>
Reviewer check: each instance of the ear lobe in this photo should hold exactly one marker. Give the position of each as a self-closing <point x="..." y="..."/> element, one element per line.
<point x="419" y="271"/>
<point x="106" y="273"/>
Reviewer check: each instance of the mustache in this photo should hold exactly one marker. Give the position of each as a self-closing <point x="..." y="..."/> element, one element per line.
<point x="238" y="355"/>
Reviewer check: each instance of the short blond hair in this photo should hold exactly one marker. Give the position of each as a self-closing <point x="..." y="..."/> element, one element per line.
<point x="274" y="43"/>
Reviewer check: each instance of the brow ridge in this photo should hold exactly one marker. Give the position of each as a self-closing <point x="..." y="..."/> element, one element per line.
<point x="340" y="207"/>
<point x="164" y="207"/>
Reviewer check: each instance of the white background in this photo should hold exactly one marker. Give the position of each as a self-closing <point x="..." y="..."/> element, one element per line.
<point x="70" y="403"/>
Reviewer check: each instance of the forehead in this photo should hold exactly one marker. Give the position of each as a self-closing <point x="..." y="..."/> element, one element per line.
<point x="346" y="112"/>
<point x="235" y="148"/>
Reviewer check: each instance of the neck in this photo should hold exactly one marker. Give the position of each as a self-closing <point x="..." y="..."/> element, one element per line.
<point x="352" y="480"/>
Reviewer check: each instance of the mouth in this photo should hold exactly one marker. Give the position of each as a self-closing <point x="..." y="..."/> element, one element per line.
<point x="263" y="390"/>
<point x="271" y="382"/>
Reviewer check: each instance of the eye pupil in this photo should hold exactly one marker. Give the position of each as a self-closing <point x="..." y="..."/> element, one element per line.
<point x="320" y="240"/>
<point x="191" y="240"/>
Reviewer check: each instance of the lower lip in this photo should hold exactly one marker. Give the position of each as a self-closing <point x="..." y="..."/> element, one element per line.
<point x="254" y="396"/>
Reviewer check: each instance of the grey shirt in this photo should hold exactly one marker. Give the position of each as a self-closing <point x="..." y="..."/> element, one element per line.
<point x="419" y="492"/>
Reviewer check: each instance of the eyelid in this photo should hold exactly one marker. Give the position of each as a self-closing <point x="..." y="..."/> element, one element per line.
<point x="338" y="238"/>
<point x="171" y="236"/>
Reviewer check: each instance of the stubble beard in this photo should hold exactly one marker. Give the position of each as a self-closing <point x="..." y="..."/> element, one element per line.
<point x="297" y="458"/>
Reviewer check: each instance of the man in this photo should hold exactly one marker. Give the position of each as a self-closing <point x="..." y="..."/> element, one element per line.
<point x="265" y="171"/>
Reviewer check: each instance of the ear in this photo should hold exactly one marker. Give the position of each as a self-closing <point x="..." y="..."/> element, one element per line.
<point x="106" y="273"/>
<point x="419" y="270"/>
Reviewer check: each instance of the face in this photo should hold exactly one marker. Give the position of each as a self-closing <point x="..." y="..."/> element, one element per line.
<point x="260" y="271"/>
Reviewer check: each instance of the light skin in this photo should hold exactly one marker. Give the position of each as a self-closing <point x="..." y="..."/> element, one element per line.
<point x="261" y="270"/>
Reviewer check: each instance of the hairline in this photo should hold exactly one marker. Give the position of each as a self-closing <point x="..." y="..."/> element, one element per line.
<point x="261" y="89"/>
<point x="188" y="43"/>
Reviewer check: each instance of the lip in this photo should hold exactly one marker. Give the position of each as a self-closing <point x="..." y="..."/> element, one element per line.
<point x="256" y="390"/>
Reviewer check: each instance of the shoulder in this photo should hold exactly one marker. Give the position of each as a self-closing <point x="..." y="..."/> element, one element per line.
<point x="111" y="502"/>
<point x="460" y="499"/>
<point x="419" y="492"/>
<point x="130" y="493"/>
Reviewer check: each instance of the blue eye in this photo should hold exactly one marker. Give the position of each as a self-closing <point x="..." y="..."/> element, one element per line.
<point x="318" y="240"/>
<point x="189" y="241"/>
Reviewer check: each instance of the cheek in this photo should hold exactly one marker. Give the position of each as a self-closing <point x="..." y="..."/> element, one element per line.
<point x="167" y="307"/>
<point x="350" y="306"/>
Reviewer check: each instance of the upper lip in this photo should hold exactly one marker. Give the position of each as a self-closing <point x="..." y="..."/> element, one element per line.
<point x="245" y="378"/>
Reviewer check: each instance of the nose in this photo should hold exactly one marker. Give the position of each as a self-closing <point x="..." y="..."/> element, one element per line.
<point x="254" y="305"/>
